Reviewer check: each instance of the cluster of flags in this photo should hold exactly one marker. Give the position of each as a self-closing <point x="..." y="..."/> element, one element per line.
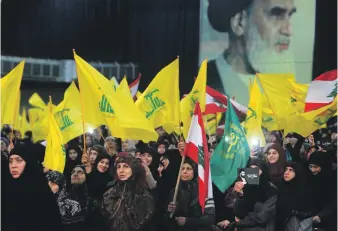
<point x="289" y="106"/>
<point x="277" y="102"/>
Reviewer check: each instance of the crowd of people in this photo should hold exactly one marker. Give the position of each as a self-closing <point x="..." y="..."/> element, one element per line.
<point x="126" y="185"/>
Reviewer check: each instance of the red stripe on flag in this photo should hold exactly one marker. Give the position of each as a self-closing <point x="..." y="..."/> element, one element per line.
<point x="136" y="81"/>
<point x="327" y="76"/>
<point x="213" y="108"/>
<point x="314" y="106"/>
<point x="191" y="150"/>
<point x="224" y="100"/>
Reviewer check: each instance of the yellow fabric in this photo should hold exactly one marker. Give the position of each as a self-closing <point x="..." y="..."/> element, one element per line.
<point x="55" y="154"/>
<point x="298" y="94"/>
<point x="10" y="94"/>
<point x="40" y="129"/>
<point x="17" y="117"/>
<point x="35" y="114"/>
<point x="124" y="87"/>
<point x="253" y="122"/>
<point x="24" y="125"/>
<point x="308" y="122"/>
<point x="102" y="105"/>
<point x="113" y="80"/>
<point x="197" y="94"/>
<point x="36" y="101"/>
<point x="276" y="88"/>
<point x="138" y="94"/>
<point x="160" y="102"/>
<point x="68" y="115"/>
<point x="211" y="122"/>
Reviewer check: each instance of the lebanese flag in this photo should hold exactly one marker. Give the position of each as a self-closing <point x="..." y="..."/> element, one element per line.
<point x="212" y="106"/>
<point x="218" y="101"/>
<point x="197" y="149"/>
<point x="322" y="91"/>
<point x="134" y="86"/>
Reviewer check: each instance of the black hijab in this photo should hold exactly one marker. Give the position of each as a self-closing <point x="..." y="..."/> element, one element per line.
<point x="155" y="162"/>
<point x="187" y="197"/>
<point x="97" y="181"/>
<point x="325" y="182"/>
<point x="30" y="192"/>
<point x="294" y="197"/>
<point x="254" y="193"/>
<point x="70" y="164"/>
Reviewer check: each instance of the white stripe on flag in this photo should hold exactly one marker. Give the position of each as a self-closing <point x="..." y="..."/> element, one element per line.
<point x="134" y="89"/>
<point x="210" y="192"/>
<point x="201" y="172"/>
<point x="195" y="132"/>
<point x="319" y="90"/>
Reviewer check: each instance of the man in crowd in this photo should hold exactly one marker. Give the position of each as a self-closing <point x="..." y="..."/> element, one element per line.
<point x="259" y="39"/>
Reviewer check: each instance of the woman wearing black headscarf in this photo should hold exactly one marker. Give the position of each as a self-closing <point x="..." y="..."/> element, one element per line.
<point x="294" y="203"/>
<point x="28" y="202"/>
<point x="128" y="205"/>
<point x="323" y="183"/>
<point x="97" y="182"/>
<point x="255" y="207"/>
<point x="171" y="164"/>
<point x="73" y="158"/>
<point x="187" y="211"/>
<point x="151" y="161"/>
<point x="276" y="159"/>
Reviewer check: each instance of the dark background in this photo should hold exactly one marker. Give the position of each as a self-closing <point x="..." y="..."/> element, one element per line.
<point x="150" y="33"/>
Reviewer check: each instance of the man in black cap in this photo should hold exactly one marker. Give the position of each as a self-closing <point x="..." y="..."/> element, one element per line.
<point x="259" y="34"/>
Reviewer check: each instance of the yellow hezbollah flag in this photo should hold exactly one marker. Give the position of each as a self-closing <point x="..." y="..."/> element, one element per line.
<point x="138" y="94"/>
<point x="102" y="105"/>
<point x="36" y="101"/>
<point x="10" y="94"/>
<point x="55" y="154"/>
<point x="24" y="125"/>
<point x="298" y="94"/>
<point x="212" y="121"/>
<point x="124" y="87"/>
<point x="277" y="91"/>
<point x="133" y="123"/>
<point x="308" y="122"/>
<point x="114" y="82"/>
<point x="197" y="94"/>
<point x="40" y="130"/>
<point x="160" y="102"/>
<point x="35" y="114"/>
<point x="68" y="115"/>
<point x="253" y="122"/>
<point x="17" y="118"/>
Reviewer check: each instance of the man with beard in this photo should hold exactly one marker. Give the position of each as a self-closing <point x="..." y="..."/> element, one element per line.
<point x="259" y="38"/>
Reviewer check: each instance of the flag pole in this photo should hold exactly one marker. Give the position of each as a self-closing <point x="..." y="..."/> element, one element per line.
<point x="181" y="138"/>
<point x="99" y="128"/>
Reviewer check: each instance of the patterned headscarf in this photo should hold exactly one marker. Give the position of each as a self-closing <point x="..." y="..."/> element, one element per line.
<point x="56" y="177"/>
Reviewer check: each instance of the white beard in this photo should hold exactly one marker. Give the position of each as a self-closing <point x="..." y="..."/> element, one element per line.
<point x="264" y="58"/>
